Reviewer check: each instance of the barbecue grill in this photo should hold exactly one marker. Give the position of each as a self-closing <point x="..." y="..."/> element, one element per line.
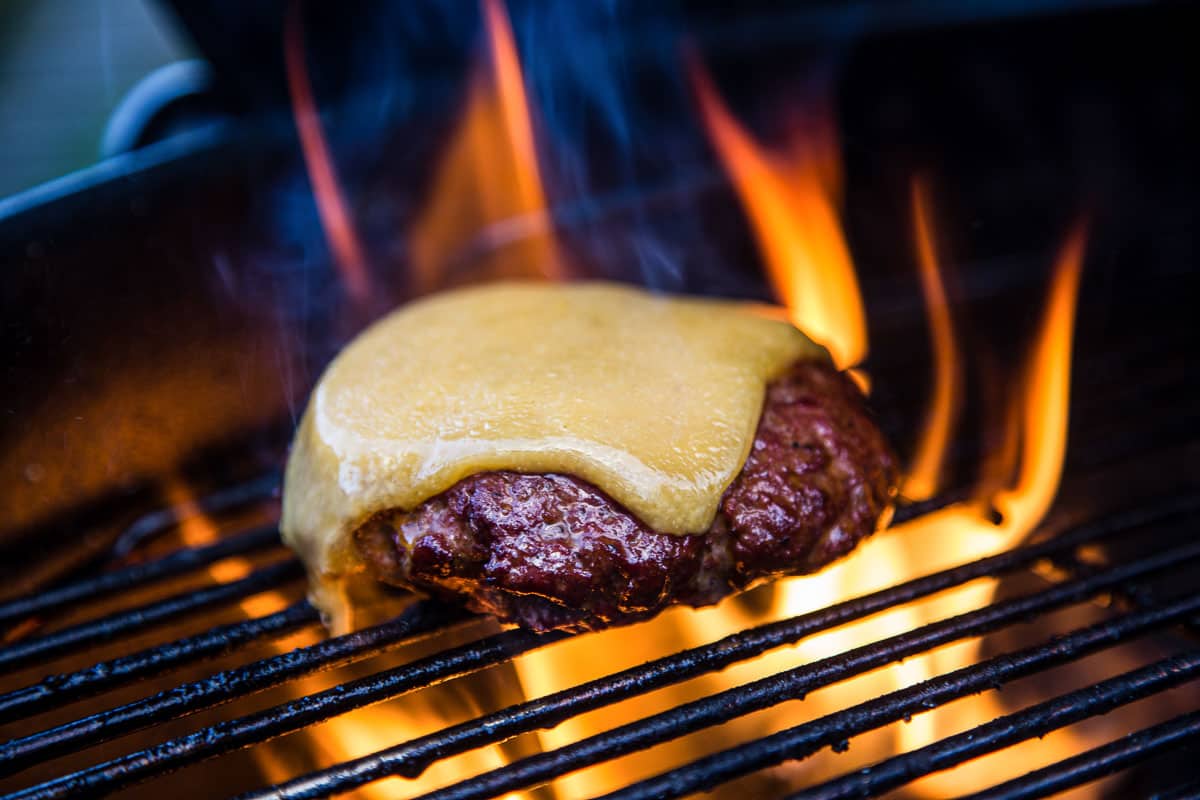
<point x="1137" y="617"/>
<point x="156" y="638"/>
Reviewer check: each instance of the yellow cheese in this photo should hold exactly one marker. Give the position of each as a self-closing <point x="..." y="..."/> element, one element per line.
<point x="653" y="399"/>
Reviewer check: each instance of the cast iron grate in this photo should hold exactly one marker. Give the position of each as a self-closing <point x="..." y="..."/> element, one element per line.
<point x="1141" y="613"/>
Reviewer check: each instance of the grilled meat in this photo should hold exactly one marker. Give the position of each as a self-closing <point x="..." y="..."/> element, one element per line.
<point x="551" y="551"/>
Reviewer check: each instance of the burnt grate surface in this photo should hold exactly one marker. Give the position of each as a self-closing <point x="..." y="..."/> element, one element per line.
<point x="1134" y="612"/>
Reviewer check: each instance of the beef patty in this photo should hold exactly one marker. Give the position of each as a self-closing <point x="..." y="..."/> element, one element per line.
<point x="552" y="551"/>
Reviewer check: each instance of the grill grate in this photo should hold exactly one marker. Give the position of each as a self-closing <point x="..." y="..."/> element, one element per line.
<point x="88" y="634"/>
<point x="1037" y="720"/>
<point x="1144" y="613"/>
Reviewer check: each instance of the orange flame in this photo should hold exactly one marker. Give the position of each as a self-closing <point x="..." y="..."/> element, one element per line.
<point x="331" y="205"/>
<point x="964" y="532"/>
<point x="487" y="213"/>
<point x="487" y="191"/>
<point x="790" y="200"/>
<point x="1047" y="392"/>
<point x="350" y="735"/>
<point x="196" y="529"/>
<point x="946" y="395"/>
<point x="1042" y="409"/>
<point x="954" y="535"/>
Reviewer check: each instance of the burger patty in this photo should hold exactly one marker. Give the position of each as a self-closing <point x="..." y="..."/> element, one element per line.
<point x="551" y="551"/>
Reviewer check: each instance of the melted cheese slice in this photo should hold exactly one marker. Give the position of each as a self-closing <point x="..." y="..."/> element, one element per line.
<point x="653" y="399"/>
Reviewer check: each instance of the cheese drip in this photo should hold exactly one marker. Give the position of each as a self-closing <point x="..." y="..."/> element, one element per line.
<point x="654" y="400"/>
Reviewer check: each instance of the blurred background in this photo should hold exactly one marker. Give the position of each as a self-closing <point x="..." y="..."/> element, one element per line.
<point x="64" y="67"/>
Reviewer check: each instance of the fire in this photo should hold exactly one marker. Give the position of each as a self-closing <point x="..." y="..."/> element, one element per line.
<point x="965" y="532"/>
<point x="1047" y="388"/>
<point x="197" y="529"/>
<point x="487" y="211"/>
<point x="790" y="203"/>
<point x="486" y="216"/>
<point x="791" y="199"/>
<point x="923" y="475"/>
<point x="351" y="735"/>
<point x="331" y="205"/>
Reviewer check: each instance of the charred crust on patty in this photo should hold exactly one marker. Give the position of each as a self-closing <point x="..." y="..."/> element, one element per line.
<point x="550" y="551"/>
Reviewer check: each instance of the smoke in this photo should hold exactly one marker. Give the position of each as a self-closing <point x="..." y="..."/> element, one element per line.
<point x="631" y="180"/>
<point x="617" y="132"/>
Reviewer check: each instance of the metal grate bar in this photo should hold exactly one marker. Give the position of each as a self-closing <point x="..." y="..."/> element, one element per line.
<point x="1135" y="594"/>
<point x="93" y="632"/>
<point x="1189" y="791"/>
<point x="224" y="687"/>
<point x="86" y="734"/>
<point x="177" y="563"/>
<point x="243" y="681"/>
<point x="1098" y="762"/>
<point x="55" y="691"/>
<point x="411" y="758"/>
<point x="835" y="729"/>
<point x="1036" y="720"/>
<point x="221" y="501"/>
<point x="234" y="734"/>
<point x="795" y="684"/>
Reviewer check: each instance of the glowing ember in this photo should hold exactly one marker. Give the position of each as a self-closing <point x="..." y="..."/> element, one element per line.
<point x="487" y="210"/>
<point x="331" y="205"/>
<point x="789" y="197"/>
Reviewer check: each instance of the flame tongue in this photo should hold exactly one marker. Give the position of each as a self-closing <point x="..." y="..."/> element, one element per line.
<point x="331" y="205"/>
<point x="790" y="198"/>
<point x="487" y="214"/>
<point x="945" y="397"/>
<point x="1037" y="417"/>
<point x="487" y="191"/>
<point x="1047" y="387"/>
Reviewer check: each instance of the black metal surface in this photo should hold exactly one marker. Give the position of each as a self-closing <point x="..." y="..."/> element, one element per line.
<point x="1188" y="791"/>
<point x="411" y="758"/>
<point x="834" y="730"/>
<point x="54" y="691"/>
<point x="88" y="634"/>
<point x="221" y="501"/>
<point x="1048" y="130"/>
<point x="795" y="684"/>
<point x="233" y="734"/>
<point x="1096" y="763"/>
<point x="17" y="754"/>
<point x="121" y="580"/>
<point x="1037" y="720"/>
